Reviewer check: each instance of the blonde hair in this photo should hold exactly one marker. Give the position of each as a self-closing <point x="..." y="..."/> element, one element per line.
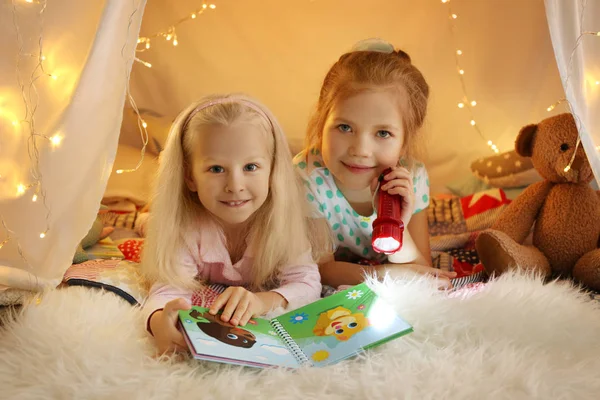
<point x="278" y="228"/>
<point x="359" y="71"/>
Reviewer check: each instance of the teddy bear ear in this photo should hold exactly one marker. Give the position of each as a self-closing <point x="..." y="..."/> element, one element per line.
<point x="524" y="142"/>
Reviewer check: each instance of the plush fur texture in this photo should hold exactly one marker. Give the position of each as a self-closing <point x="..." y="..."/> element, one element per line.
<point x="514" y="339"/>
<point x="563" y="210"/>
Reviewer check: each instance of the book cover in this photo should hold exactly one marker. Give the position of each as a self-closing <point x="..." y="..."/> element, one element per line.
<point x="343" y="324"/>
<point x="255" y="344"/>
<point x="318" y="334"/>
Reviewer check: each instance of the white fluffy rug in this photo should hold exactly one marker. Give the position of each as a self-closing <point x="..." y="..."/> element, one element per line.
<point x="515" y="339"/>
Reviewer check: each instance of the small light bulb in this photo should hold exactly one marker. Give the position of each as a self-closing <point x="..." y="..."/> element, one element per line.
<point x="567" y="168"/>
<point x="459" y="52"/>
<point x="21" y="188"/>
<point x="597" y="82"/>
<point x="147" y="45"/>
<point x="473" y="103"/>
<point x="169" y="36"/>
<point x="194" y="16"/>
<point x="28" y="1"/>
<point x="490" y="143"/>
<point x="494" y="147"/>
<point x="139" y="40"/>
<point x="54" y="77"/>
<point x="597" y="33"/>
<point x="144" y="124"/>
<point x="15" y="123"/>
<point x="461" y="71"/>
<point x="43" y="58"/>
<point x="204" y="6"/>
<point x="34" y="198"/>
<point x="212" y="6"/>
<point x="119" y="171"/>
<point x="473" y="122"/>
<point x="175" y="42"/>
<point x="445" y="1"/>
<point x="55" y="140"/>
<point x="42" y="235"/>
<point x="460" y="105"/>
<point x="496" y="151"/>
<point x="454" y="16"/>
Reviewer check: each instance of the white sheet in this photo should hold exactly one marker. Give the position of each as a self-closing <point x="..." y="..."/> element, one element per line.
<point x="89" y="46"/>
<point x="581" y="73"/>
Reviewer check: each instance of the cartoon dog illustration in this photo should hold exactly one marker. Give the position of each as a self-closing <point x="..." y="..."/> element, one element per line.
<point x="223" y="331"/>
<point x="340" y="323"/>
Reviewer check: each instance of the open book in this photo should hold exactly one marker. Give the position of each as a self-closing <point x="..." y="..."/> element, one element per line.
<point x="318" y="334"/>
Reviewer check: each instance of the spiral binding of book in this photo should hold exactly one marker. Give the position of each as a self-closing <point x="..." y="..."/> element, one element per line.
<point x="290" y="343"/>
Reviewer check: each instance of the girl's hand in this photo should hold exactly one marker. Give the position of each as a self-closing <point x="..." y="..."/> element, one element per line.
<point x="441" y="275"/>
<point x="399" y="182"/>
<point x="163" y="324"/>
<point x="240" y="305"/>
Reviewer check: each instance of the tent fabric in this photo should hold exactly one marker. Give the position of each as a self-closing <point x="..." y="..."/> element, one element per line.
<point x="279" y="52"/>
<point x="89" y="48"/>
<point x="579" y="66"/>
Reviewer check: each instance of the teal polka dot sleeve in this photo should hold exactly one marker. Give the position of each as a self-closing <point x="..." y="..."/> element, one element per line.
<point x="313" y="185"/>
<point x="421" y="187"/>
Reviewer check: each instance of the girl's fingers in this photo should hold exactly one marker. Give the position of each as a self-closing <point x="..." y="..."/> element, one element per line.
<point x="171" y="310"/>
<point x="401" y="191"/>
<point x="246" y="317"/>
<point x="220" y="301"/>
<point x="231" y="305"/>
<point x="240" y="310"/>
<point x="407" y="183"/>
<point x="396" y="173"/>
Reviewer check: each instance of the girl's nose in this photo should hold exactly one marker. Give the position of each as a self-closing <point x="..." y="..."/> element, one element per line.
<point x="235" y="182"/>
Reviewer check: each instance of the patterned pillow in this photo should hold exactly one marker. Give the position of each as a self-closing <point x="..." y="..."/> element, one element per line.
<point x="506" y="170"/>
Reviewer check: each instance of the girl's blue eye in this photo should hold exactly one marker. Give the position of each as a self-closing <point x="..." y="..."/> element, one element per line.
<point x="216" y="169"/>
<point x="383" y="134"/>
<point x="344" y="128"/>
<point x="250" y="167"/>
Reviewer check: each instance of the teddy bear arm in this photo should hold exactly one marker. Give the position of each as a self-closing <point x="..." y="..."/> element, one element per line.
<point x="518" y="218"/>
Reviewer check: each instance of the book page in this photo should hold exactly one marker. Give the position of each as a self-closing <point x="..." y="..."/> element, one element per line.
<point x="256" y="344"/>
<point x="341" y="325"/>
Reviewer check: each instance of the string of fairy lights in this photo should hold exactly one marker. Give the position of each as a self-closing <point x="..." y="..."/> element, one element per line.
<point x="29" y="93"/>
<point x="593" y="82"/>
<point x="466" y="103"/>
<point x="169" y="33"/>
<point x="144" y="43"/>
<point x="30" y="96"/>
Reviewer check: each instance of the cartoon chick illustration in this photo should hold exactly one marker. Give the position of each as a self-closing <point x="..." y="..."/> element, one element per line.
<point x="340" y="323"/>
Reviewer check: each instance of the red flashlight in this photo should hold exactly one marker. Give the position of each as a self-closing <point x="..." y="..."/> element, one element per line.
<point x="388" y="228"/>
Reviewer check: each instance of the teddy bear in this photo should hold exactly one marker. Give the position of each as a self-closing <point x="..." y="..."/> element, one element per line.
<point x="563" y="210"/>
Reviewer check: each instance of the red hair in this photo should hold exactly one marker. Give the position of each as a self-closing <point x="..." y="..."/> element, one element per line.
<point x="360" y="71"/>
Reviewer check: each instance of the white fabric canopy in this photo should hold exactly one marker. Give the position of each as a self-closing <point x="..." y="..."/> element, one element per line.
<point x="567" y="20"/>
<point x="89" y="47"/>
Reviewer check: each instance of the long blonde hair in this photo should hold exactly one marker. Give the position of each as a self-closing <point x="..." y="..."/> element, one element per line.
<point x="359" y="71"/>
<point x="278" y="229"/>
